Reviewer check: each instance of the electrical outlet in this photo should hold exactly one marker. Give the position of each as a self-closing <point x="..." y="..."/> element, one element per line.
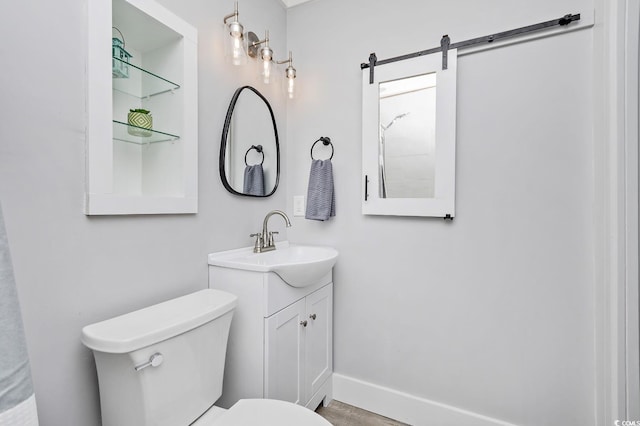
<point x="298" y="205"/>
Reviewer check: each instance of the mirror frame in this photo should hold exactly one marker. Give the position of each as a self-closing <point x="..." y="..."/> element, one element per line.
<point x="443" y="202"/>
<point x="225" y="134"/>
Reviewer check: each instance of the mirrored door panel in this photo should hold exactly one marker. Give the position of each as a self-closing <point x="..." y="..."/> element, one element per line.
<point x="408" y="137"/>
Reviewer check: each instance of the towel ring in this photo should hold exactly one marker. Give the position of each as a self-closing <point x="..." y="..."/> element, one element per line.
<point x="257" y="148"/>
<point x="325" y="141"/>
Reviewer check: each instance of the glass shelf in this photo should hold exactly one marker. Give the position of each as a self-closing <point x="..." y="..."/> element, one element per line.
<point x="142" y="83"/>
<point x="141" y="136"/>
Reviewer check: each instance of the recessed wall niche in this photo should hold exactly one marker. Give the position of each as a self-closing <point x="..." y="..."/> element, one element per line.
<point x="142" y="108"/>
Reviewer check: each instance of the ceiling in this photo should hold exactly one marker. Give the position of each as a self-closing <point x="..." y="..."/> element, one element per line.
<point x="291" y="3"/>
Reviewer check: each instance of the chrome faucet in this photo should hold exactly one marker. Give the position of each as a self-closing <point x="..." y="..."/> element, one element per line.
<point x="264" y="240"/>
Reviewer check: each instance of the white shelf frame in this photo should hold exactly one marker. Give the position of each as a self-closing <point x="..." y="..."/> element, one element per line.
<point x="100" y="198"/>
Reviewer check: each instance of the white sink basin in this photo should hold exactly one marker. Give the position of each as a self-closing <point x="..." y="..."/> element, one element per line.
<point x="297" y="265"/>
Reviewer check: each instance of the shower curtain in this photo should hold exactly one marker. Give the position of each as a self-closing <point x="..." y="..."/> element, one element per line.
<point x="17" y="400"/>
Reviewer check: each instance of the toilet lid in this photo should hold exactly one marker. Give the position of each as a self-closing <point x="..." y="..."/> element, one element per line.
<point x="269" y="412"/>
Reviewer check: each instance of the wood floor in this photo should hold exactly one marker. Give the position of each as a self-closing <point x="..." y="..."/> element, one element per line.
<point x="340" y="414"/>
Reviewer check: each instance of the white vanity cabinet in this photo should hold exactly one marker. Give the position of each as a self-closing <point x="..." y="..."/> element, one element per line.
<point x="298" y="348"/>
<point x="281" y="339"/>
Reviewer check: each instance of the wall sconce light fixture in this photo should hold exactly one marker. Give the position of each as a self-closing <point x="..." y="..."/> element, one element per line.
<point x="256" y="48"/>
<point x="260" y="49"/>
<point x="290" y="75"/>
<point x="235" y="44"/>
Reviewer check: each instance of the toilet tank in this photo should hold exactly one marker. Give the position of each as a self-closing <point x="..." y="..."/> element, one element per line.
<point x="190" y="333"/>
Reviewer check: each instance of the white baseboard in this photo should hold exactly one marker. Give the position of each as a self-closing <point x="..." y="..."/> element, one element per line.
<point x="404" y="407"/>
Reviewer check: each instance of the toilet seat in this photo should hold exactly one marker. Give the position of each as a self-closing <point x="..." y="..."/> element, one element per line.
<point x="265" y="412"/>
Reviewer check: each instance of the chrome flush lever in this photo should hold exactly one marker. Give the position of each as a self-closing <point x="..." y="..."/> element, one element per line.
<point x="154" y="361"/>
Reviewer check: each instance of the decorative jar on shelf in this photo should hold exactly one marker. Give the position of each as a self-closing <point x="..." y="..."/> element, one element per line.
<point x="140" y="122"/>
<point x="119" y="57"/>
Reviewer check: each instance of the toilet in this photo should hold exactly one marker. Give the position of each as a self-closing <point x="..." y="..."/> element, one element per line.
<point x="163" y="366"/>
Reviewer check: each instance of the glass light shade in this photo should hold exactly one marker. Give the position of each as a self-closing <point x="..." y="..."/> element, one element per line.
<point x="291" y="92"/>
<point x="265" y="70"/>
<point x="236" y="52"/>
<point x="291" y="81"/>
<point x="265" y="63"/>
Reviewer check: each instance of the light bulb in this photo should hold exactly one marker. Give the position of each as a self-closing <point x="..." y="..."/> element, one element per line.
<point x="266" y="71"/>
<point x="291" y="88"/>
<point x="265" y="62"/>
<point x="238" y="55"/>
<point x="290" y="74"/>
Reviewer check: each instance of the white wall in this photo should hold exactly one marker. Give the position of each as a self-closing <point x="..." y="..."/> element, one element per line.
<point x="492" y="313"/>
<point x="72" y="270"/>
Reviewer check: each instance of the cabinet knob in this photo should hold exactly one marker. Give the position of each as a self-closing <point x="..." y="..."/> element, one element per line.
<point x="303" y="323"/>
<point x="312" y="316"/>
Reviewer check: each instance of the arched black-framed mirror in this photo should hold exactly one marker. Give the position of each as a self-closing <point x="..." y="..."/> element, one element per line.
<point x="250" y="149"/>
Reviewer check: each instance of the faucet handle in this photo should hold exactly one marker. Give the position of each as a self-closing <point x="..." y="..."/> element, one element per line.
<point x="271" y="234"/>
<point x="258" y="244"/>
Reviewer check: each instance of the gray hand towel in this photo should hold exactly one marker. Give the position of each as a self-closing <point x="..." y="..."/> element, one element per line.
<point x="321" y="198"/>
<point x="253" y="180"/>
<point x="15" y="374"/>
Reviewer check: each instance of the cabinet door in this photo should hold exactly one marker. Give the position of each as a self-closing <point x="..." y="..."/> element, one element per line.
<point x="319" y="343"/>
<point x="284" y="345"/>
